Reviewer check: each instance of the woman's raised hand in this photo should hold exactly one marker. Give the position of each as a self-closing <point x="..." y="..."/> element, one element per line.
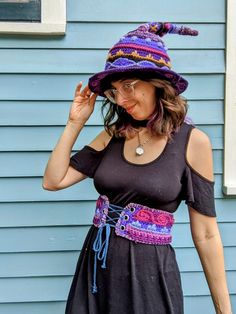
<point x="83" y="104"/>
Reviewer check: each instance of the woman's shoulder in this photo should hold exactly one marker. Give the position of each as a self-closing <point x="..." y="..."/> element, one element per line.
<point x="101" y="141"/>
<point x="199" y="153"/>
<point x="199" y="141"/>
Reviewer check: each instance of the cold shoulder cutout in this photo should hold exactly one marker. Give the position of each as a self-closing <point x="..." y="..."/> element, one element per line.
<point x="199" y="153"/>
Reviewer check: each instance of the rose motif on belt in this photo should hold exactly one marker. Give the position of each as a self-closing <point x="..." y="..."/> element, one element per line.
<point x="144" y="215"/>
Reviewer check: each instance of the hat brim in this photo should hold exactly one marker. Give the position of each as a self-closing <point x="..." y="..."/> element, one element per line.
<point x="96" y="82"/>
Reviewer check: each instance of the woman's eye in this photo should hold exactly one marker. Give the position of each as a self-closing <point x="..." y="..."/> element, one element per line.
<point x="127" y="85"/>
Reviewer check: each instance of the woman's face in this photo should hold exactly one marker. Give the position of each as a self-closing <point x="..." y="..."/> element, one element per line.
<point x="142" y="103"/>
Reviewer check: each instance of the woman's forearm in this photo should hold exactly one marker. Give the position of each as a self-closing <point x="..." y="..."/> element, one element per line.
<point x="58" y="162"/>
<point x="212" y="258"/>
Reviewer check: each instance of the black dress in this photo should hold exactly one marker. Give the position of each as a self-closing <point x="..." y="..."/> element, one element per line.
<point x="139" y="278"/>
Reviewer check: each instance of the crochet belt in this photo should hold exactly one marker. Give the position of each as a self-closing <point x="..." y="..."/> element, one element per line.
<point x="135" y="222"/>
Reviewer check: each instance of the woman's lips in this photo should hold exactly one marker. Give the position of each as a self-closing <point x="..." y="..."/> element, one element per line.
<point x="130" y="109"/>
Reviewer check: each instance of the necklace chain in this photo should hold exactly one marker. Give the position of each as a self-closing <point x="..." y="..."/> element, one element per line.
<point x="139" y="149"/>
<point x="145" y="142"/>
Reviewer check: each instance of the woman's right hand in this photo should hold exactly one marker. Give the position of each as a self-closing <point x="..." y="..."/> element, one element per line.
<point x="83" y="104"/>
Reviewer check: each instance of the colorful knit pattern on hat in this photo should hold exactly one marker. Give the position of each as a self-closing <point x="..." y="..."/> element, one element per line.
<point x="143" y="47"/>
<point x="142" y="52"/>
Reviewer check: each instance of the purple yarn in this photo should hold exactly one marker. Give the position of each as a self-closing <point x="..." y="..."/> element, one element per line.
<point x="137" y="222"/>
<point x="142" y="50"/>
<point x="162" y="29"/>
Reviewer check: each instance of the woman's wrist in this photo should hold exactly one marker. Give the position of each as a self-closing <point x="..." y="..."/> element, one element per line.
<point x="76" y="125"/>
<point x="72" y="131"/>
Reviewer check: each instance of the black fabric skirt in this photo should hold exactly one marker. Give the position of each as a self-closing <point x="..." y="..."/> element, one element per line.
<point x="138" y="279"/>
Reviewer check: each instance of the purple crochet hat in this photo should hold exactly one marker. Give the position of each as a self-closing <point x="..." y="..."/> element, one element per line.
<point x="142" y="52"/>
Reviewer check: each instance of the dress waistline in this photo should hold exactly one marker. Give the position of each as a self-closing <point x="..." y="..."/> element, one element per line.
<point x="134" y="222"/>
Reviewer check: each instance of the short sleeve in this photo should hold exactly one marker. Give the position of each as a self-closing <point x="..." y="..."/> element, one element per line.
<point x="198" y="192"/>
<point x="87" y="160"/>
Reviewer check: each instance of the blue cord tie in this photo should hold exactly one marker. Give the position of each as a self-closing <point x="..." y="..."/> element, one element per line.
<point x="100" y="248"/>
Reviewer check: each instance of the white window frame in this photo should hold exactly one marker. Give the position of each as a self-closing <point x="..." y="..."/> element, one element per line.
<point x="53" y="21"/>
<point x="229" y="187"/>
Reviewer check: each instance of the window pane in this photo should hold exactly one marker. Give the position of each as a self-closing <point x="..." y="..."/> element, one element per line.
<point x="20" y="10"/>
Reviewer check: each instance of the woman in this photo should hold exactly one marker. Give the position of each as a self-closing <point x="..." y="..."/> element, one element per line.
<point x="143" y="164"/>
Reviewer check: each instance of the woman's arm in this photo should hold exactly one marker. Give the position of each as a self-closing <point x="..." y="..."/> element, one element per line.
<point x="58" y="174"/>
<point x="207" y="240"/>
<point x="204" y="229"/>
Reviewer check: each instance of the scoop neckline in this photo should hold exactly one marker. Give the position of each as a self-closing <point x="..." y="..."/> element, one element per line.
<point x="146" y="163"/>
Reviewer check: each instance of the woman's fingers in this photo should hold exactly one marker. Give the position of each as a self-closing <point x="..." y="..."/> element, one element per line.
<point x="85" y="92"/>
<point x="78" y="88"/>
<point x="93" y="99"/>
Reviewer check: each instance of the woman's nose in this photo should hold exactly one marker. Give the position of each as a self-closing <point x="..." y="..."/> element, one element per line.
<point x="120" y="99"/>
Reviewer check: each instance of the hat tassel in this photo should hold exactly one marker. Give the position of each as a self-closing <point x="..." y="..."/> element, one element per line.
<point x="162" y="29"/>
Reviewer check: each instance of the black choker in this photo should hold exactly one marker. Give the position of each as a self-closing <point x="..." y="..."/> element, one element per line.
<point x="139" y="123"/>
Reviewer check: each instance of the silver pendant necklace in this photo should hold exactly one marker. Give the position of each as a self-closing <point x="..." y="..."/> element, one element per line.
<point x="139" y="149"/>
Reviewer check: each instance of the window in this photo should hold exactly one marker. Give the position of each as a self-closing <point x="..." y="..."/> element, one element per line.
<point x="20" y="10"/>
<point x="229" y="187"/>
<point x="32" y="16"/>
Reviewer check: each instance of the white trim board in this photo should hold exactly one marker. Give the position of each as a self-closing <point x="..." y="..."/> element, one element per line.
<point x="53" y="21"/>
<point x="229" y="187"/>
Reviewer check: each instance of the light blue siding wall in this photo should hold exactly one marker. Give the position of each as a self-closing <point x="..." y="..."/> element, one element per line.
<point x="41" y="232"/>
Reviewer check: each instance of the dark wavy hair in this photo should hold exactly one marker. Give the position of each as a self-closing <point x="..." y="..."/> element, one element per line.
<point x="170" y="112"/>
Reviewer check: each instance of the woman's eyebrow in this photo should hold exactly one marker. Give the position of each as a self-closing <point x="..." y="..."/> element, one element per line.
<point x="121" y="81"/>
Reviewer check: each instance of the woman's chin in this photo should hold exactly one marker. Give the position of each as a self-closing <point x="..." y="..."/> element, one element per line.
<point x="138" y="117"/>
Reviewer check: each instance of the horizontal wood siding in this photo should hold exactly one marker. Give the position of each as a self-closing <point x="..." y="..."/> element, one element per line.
<point x="42" y="232"/>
